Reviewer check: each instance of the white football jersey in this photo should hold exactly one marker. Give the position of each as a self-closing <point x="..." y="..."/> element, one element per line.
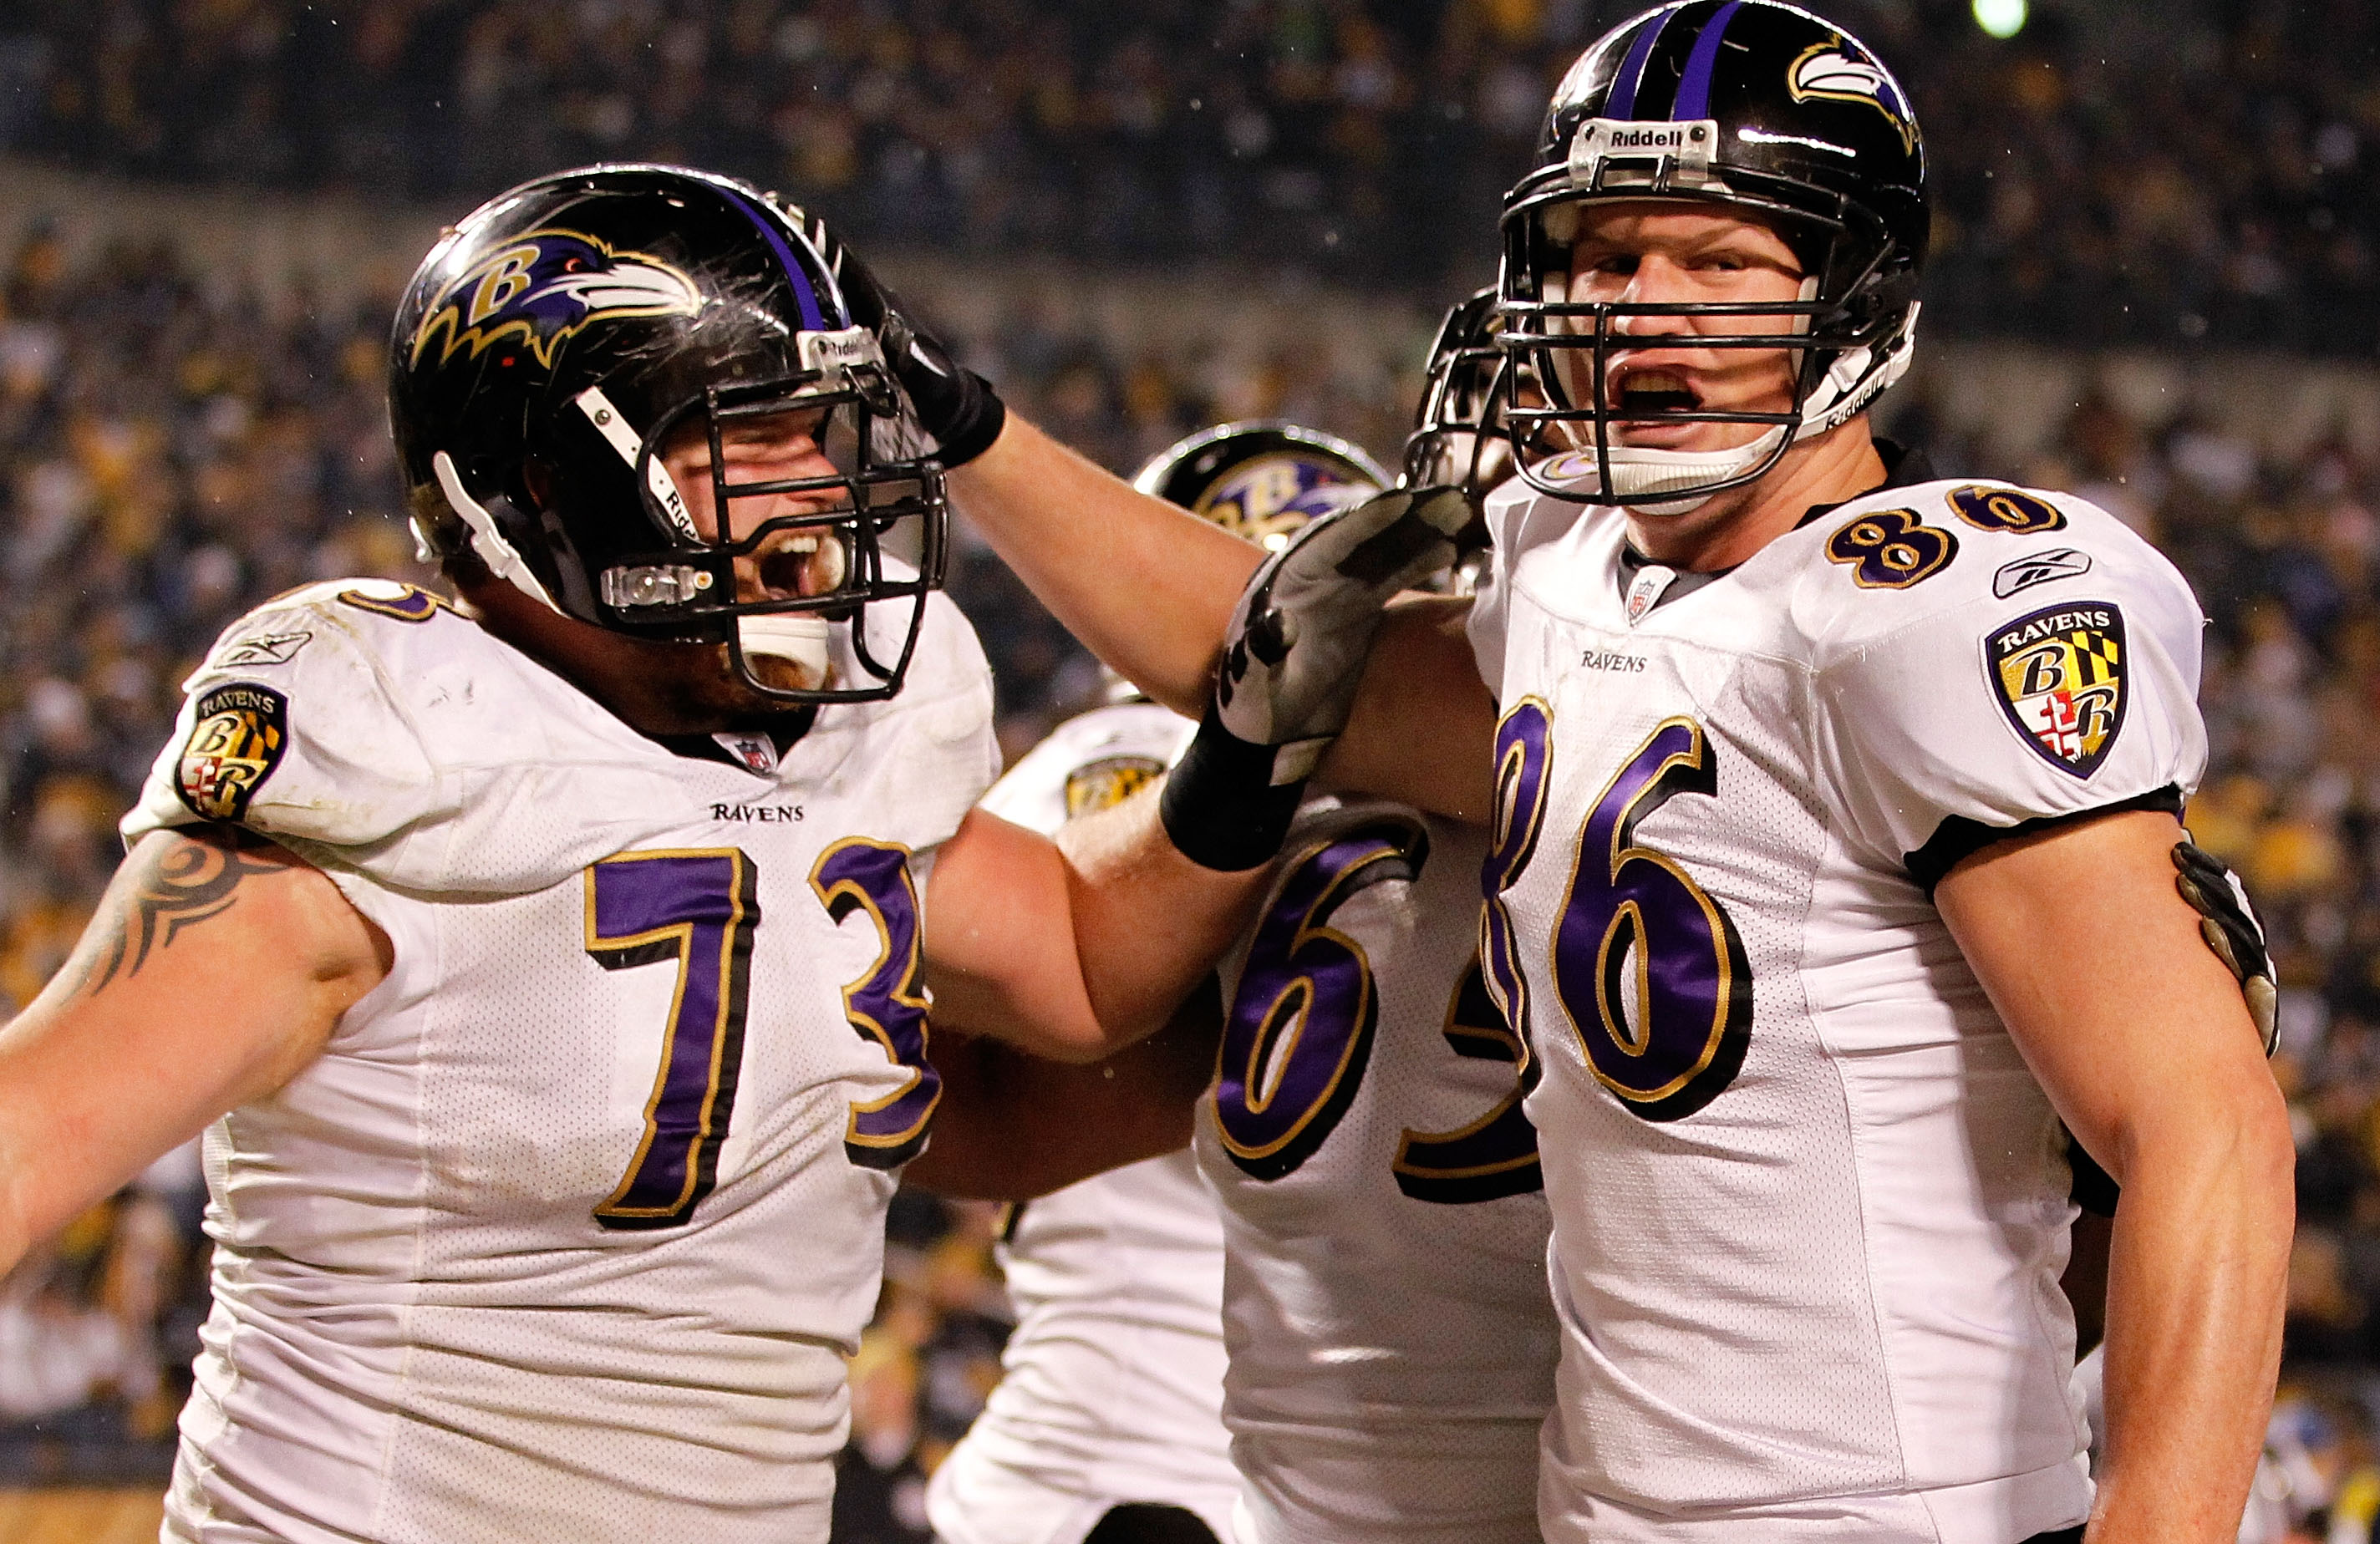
<point x="568" y="1231"/>
<point x="1810" y="1204"/>
<point x="1392" y="1344"/>
<point x="1114" y="1382"/>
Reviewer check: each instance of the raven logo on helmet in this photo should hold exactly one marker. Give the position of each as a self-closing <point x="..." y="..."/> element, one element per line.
<point x="1267" y="499"/>
<point x="1838" y="71"/>
<point x="544" y="287"/>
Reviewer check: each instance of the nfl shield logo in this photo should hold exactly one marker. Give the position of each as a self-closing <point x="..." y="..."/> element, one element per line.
<point x="757" y="751"/>
<point x="2060" y="677"/>
<point x="1651" y="583"/>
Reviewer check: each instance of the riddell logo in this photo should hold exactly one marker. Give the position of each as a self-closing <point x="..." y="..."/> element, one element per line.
<point x="1606" y="151"/>
<point x="1646" y="139"/>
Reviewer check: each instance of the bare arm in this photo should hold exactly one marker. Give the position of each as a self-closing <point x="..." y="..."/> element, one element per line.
<point x="213" y="970"/>
<point x="1011" y="1126"/>
<point x="1147" y="586"/>
<point x="1074" y="949"/>
<point x="2150" y="1057"/>
<point x="1424" y="730"/>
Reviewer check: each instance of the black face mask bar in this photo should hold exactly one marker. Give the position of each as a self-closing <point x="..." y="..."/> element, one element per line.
<point x="696" y="582"/>
<point x="1459" y="434"/>
<point x="1549" y="431"/>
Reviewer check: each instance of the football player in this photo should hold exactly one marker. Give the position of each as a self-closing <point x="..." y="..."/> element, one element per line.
<point x="1391" y="1343"/>
<point x="1108" y="1421"/>
<point x="1835" y="818"/>
<point x="544" y="964"/>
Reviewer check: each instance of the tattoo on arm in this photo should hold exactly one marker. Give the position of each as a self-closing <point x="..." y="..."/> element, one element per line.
<point x="195" y="878"/>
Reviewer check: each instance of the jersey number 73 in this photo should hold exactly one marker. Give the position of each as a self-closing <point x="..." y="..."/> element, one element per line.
<point x="699" y="910"/>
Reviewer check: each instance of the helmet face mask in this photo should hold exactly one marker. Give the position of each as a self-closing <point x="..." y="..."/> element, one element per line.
<point x="844" y="571"/>
<point x="1750" y="110"/>
<point x="1460" y="436"/>
<point x="556" y="347"/>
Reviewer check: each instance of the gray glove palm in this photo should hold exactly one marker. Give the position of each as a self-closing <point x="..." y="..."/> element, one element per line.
<point x="1294" y="657"/>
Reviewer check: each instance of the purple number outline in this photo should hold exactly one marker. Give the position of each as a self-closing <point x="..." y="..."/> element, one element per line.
<point x="884" y="1006"/>
<point x="1305" y="1002"/>
<point x="697" y="908"/>
<point x="1990" y="508"/>
<point x="1523" y="777"/>
<point x="1495" y="1155"/>
<point x="1695" y="999"/>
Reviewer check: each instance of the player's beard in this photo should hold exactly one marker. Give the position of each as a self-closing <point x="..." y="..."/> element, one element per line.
<point x="713" y="697"/>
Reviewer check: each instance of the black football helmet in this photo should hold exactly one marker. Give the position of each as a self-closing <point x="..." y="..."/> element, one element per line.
<point x="1757" y="108"/>
<point x="1459" y="434"/>
<point x="565" y="329"/>
<point x="1261" y="479"/>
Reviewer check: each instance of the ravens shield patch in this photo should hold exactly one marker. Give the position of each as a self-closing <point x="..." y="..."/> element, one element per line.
<point x="1103" y="784"/>
<point x="240" y="733"/>
<point x="2060" y="676"/>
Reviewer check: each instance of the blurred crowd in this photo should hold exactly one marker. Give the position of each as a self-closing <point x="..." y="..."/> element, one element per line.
<point x="172" y="454"/>
<point x="2201" y="169"/>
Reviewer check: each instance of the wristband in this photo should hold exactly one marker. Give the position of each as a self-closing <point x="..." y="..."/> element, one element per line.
<point x="1228" y="803"/>
<point x="984" y="416"/>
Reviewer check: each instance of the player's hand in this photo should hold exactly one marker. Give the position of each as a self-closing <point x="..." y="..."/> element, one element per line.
<point x="2229" y="927"/>
<point x="1293" y="660"/>
<point x="956" y="407"/>
<point x="1295" y="647"/>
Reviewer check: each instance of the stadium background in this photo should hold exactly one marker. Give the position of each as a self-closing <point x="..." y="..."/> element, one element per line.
<point x="2157" y="282"/>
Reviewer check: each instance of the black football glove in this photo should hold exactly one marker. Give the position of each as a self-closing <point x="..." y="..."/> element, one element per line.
<point x="1292" y="659"/>
<point x="2229" y="927"/>
<point x="957" y="408"/>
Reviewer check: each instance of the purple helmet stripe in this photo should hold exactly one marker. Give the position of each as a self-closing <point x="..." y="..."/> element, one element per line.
<point x="813" y="320"/>
<point x="1622" y="103"/>
<point x="1693" y="87"/>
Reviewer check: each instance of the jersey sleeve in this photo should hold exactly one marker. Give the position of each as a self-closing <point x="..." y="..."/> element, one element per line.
<point x="1985" y="714"/>
<point x="292" y="729"/>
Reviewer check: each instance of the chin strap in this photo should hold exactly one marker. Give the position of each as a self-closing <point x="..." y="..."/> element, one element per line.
<point x="501" y="557"/>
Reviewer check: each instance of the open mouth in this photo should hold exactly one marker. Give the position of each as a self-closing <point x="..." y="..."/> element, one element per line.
<point x="801" y="564"/>
<point x="1652" y="394"/>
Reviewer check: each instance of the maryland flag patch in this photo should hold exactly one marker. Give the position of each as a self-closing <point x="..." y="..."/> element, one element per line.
<point x="1103" y="784"/>
<point x="241" y="731"/>
<point x="2059" y="674"/>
